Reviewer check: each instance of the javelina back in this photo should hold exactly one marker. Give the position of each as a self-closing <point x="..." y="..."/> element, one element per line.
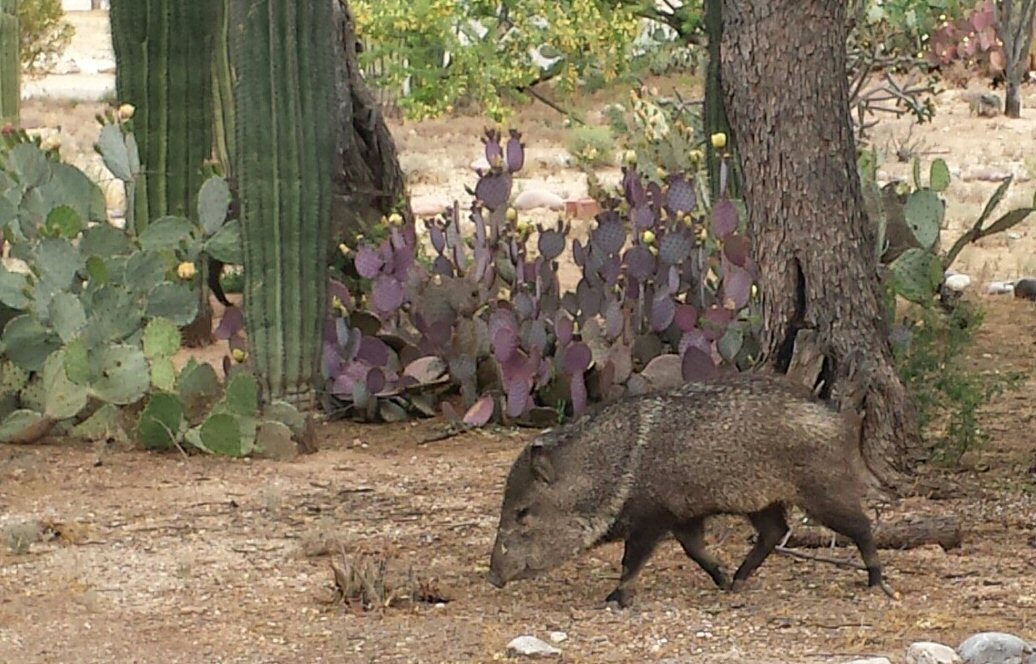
<point x="642" y="467"/>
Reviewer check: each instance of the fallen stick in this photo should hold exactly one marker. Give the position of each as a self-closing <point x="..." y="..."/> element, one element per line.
<point x="907" y="533"/>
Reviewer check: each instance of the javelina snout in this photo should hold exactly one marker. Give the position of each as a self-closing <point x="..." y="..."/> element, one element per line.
<point x="643" y="467"/>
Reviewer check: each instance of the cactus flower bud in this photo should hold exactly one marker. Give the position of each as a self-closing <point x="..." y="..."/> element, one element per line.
<point x="648" y="237"/>
<point x="126" y="111"/>
<point x="660" y="173"/>
<point x="395" y="219"/>
<point x="719" y="140"/>
<point x="629" y="158"/>
<point x="186" y="270"/>
<point x="344" y="249"/>
<point x="512" y="214"/>
<point x="239" y="355"/>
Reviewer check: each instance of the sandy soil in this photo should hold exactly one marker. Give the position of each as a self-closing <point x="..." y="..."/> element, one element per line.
<point x="159" y="558"/>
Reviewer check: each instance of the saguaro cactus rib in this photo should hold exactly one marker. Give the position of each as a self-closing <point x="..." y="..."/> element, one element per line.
<point x="284" y="98"/>
<point x="10" y="66"/>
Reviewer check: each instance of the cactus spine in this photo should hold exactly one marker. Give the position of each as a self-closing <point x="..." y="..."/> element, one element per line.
<point x="284" y="96"/>
<point x="10" y="65"/>
<point x="163" y="49"/>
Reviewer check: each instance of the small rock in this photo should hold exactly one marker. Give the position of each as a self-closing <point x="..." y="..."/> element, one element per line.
<point x="558" y="637"/>
<point x="958" y="282"/>
<point x="1013" y="235"/>
<point x="999" y="287"/>
<point x="429" y="206"/>
<point x="531" y="199"/>
<point x="871" y="660"/>
<point x="929" y="652"/>
<point x="480" y="164"/>
<point x="530" y="646"/>
<point x="996" y="648"/>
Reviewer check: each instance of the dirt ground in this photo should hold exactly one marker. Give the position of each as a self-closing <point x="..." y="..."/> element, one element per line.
<point x="160" y="558"/>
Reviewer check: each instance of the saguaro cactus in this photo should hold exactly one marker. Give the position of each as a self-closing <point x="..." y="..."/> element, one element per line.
<point x="163" y="49"/>
<point x="10" y="67"/>
<point x="284" y="96"/>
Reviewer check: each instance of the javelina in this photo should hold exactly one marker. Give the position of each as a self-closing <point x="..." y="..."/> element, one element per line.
<point x="642" y="467"/>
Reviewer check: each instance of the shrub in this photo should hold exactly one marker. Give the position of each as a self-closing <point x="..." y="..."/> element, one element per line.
<point x="44" y="34"/>
<point x="592" y="146"/>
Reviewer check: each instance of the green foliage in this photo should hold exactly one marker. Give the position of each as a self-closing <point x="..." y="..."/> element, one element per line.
<point x="90" y="313"/>
<point x="903" y="26"/>
<point x="930" y="346"/>
<point x="592" y="146"/>
<point x="442" y="53"/>
<point x="44" y="34"/>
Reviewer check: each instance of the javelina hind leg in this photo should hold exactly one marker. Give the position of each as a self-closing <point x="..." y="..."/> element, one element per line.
<point x="639" y="546"/>
<point x="691" y="536"/>
<point x="770" y="526"/>
<point x="850" y="520"/>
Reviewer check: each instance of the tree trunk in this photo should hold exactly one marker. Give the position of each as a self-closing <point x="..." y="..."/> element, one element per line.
<point x="784" y="78"/>
<point x="369" y="182"/>
<point x="1015" y="26"/>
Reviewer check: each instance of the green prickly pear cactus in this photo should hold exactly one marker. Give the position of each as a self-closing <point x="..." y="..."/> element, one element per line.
<point x="10" y="63"/>
<point x="284" y="96"/>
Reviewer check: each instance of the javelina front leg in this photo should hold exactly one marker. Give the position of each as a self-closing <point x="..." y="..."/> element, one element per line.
<point x="691" y="536"/>
<point x="639" y="546"/>
<point x="770" y="527"/>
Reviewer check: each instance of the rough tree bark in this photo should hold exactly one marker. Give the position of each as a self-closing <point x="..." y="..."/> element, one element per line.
<point x="1015" y="23"/>
<point x="784" y="78"/>
<point x="369" y="182"/>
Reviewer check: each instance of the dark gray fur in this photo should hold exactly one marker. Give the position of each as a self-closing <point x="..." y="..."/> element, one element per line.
<point x="642" y="467"/>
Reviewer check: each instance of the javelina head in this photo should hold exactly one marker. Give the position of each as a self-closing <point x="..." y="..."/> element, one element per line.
<point x="540" y="527"/>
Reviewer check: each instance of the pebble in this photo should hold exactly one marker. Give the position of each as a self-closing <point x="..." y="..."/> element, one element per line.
<point x="929" y="652"/>
<point x="996" y="648"/>
<point x="871" y="660"/>
<point x="558" y="637"/>
<point x="958" y="282"/>
<point x="999" y="287"/>
<point x="530" y="646"/>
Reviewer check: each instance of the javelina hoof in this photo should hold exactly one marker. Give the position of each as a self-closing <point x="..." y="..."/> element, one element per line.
<point x="617" y="598"/>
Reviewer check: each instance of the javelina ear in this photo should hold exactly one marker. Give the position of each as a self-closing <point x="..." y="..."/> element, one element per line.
<point x="542" y="466"/>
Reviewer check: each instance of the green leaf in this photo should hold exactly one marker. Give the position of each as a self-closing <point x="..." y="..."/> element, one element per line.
<point x="63" y="398"/>
<point x="166" y="233"/>
<point x="221" y="434"/>
<point x="67" y="315"/>
<point x="939" y="175"/>
<point x="225" y="245"/>
<point x="242" y="394"/>
<point x="213" y="202"/>
<point x="160" y="423"/>
<point x="15" y="425"/>
<point x="27" y="343"/>
<point x="114" y="152"/>
<point x="1007" y="220"/>
<point x="70" y="186"/>
<point x="124" y="375"/>
<point x="77" y="362"/>
<point x="177" y="302"/>
<point x="995" y="199"/>
<point x="161" y="339"/>
<point x="57" y="261"/>
<point x="105" y="240"/>
<point x="104" y="424"/>
<point x="27" y="163"/>
<point x="144" y="271"/>
<point x="924" y="214"/>
<point x="13" y="286"/>
<point x="97" y="270"/>
<point x="163" y="374"/>
<point x="64" y="221"/>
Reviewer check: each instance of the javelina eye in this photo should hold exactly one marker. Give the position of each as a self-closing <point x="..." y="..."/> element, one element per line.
<point x="523" y="514"/>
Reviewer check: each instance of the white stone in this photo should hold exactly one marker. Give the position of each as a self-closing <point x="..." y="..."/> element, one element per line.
<point x="558" y="637"/>
<point x="530" y="646"/>
<point x="996" y="648"/>
<point x="871" y="660"/>
<point x="999" y="287"/>
<point x="929" y="652"/>
<point x="958" y="282"/>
